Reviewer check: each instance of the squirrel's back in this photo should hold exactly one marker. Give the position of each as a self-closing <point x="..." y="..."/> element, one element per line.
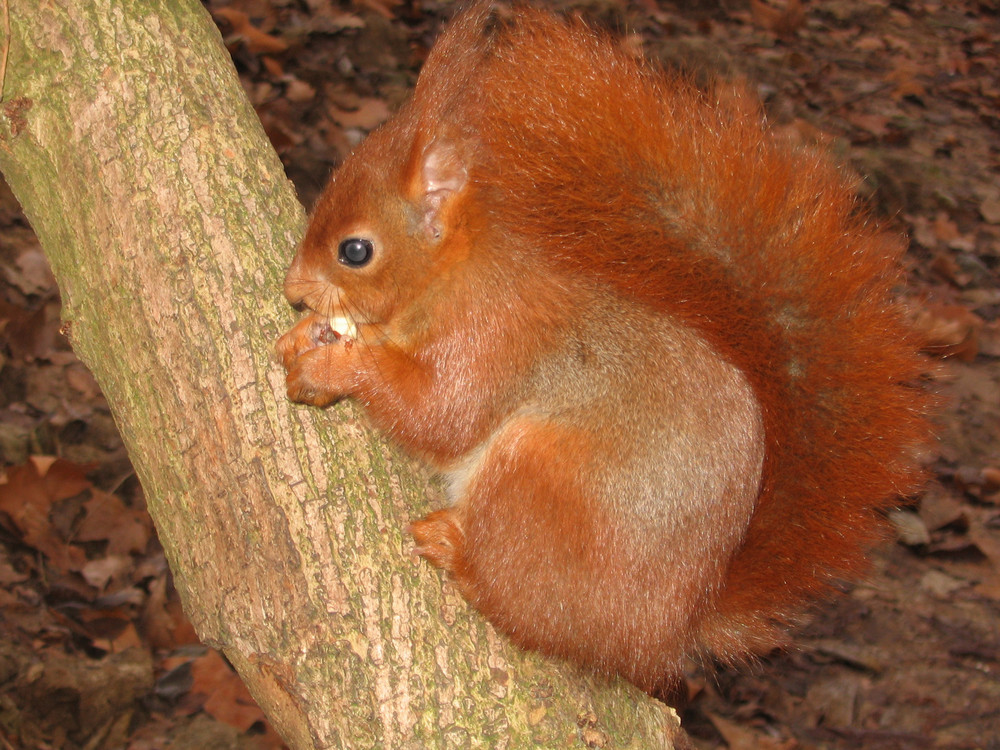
<point x="680" y="198"/>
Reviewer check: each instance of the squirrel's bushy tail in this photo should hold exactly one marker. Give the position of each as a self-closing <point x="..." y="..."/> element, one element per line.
<point x="678" y="196"/>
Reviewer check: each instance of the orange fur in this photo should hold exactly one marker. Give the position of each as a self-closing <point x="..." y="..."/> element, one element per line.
<point x="651" y="348"/>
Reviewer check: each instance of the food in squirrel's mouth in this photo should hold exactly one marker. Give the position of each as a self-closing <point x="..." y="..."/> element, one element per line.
<point x="338" y="327"/>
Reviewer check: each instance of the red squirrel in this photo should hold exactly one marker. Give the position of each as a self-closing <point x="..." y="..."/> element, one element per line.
<point x="650" y="347"/>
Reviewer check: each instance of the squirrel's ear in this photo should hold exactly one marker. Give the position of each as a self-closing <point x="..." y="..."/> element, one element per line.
<point x="440" y="175"/>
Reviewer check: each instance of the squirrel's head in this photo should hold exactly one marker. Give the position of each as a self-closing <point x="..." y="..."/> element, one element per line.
<point x="393" y="220"/>
<point x="401" y="216"/>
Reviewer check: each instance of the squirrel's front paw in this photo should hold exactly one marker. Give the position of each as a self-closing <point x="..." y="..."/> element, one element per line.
<point x="440" y="540"/>
<point x="320" y="362"/>
<point x="322" y="375"/>
<point x="310" y="332"/>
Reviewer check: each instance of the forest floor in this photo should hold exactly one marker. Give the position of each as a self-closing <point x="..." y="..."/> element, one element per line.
<point x="94" y="650"/>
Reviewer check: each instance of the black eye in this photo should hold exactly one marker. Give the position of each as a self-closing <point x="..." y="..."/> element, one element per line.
<point x="355" y="252"/>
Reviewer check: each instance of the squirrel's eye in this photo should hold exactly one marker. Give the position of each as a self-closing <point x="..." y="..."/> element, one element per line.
<point x="355" y="251"/>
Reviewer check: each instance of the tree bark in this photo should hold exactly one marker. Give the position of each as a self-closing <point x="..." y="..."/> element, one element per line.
<point x="168" y="221"/>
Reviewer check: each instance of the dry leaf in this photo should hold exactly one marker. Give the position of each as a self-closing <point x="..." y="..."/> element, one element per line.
<point x="949" y="331"/>
<point x="910" y="528"/>
<point x="941" y="585"/>
<point x="782" y="21"/>
<point x="100" y="572"/>
<point x="743" y="737"/>
<point x="989" y="209"/>
<point x="29" y="333"/>
<point x="34" y="275"/>
<point x="163" y="620"/>
<point x="383" y="7"/>
<point x="273" y="67"/>
<point x="299" y="91"/>
<point x="367" y="114"/>
<point x="27" y="498"/>
<point x="80" y="379"/>
<point x="945" y="228"/>
<point x="126" y="530"/>
<point x="991" y="478"/>
<point x="945" y="266"/>
<point x="986" y="541"/>
<point x="904" y="80"/>
<point x="989" y="339"/>
<point x="226" y="697"/>
<point x="256" y="40"/>
<point x="876" y="124"/>
<point x="939" y="509"/>
<point x="10" y="576"/>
